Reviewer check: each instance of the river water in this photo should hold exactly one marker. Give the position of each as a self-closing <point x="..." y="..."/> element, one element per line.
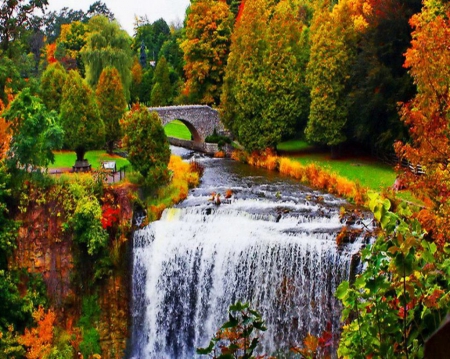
<point x="272" y="244"/>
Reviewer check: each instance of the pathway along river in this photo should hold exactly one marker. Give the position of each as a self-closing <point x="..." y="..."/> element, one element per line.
<point x="273" y="245"/>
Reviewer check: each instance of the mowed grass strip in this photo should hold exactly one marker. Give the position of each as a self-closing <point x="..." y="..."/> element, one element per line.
<point x="367" y="172"/>
<point x="66" y="159"/>
<point x="177" y="129"/>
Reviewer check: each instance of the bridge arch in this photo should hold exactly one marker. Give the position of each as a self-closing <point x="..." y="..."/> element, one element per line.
<point x="199" y="119"/>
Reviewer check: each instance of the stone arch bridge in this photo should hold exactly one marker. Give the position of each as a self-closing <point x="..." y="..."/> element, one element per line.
<point x="201" y="120"/>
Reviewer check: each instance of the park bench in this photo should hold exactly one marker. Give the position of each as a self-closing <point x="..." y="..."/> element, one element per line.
<point x="110" y="166"/>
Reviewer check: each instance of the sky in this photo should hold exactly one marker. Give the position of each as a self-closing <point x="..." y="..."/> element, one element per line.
<point x="125" y="10"/>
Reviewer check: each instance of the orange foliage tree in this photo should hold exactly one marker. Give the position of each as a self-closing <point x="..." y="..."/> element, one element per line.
<point x="428" y="114"/>
<point x="208" y="33"/>
<point x="39" y="340"/>
<point x="4" y="134"/>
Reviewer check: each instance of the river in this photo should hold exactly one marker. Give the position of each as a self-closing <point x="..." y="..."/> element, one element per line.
<point x="272" y="244"/>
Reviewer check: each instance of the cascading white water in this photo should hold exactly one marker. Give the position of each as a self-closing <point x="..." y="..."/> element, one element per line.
<point x="277" y="253"/>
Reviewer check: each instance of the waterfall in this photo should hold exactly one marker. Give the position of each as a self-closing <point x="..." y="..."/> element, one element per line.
<point x="276" y="252"/>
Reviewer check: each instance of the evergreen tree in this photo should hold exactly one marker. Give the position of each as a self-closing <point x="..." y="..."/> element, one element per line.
<point x="52" y="82"/>
<point x="379" y="81"/>
<point x="265" y="96"/>
<point x="136" y="81"/>
<point x="145" y="88"/>
<point x="111" y="104"/>
<point x="162" y="90"/>
<point x="80" y="118"/>
<point x="143" y="56"/>
<point x="332" y="53"/>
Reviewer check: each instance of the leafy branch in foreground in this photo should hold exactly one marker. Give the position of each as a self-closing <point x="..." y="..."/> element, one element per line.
<point x="402" y="295"/>
<point x="237" y="338"/>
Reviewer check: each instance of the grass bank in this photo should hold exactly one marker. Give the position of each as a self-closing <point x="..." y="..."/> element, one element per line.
<point x="66" y="159"/>
<point x="177" y="129"/>
<point x="369" y="173"/>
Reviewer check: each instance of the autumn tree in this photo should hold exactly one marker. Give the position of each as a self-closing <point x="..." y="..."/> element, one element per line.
<point x="52" y="82"/>
<point x="427" y="115"/>
<point x="136" y="80"/>
<point x="147" y="145"/>
<point x="69" y="44"/>
<point x="107" y="45"/>
<point x="332" y="54"/>
<point x="161" y="91"/>
<point x="111" y="104"/>
<point x="208" y="35"/>
<point x="80" y="118"/>
<point x="242" y="91"/>
<point x="35" y="132"/>
<point x="5" y="136"/>
<point x="39" y="340"/>
<point x="265" y="96"/>
<point x="53" y="21"/>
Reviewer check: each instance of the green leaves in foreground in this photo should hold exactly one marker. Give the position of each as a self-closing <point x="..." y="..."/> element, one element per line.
<point x="237" y="337"/>
<point x="402" y="295"/>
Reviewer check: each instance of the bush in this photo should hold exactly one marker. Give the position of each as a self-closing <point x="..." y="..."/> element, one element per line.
<point x="219" y="139"/>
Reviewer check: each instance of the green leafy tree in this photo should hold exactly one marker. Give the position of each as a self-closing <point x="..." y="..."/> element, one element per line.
<point x="99" y="8"/>
<point x="162" y="89"/>
<point x="145" y="89"/>
<point x="237" y="338"/>
<point x="171" y="50"/>
<point x="378" y="79"/>
<point x="208" y="36"/>
<point x="111" y="104"/>
<point x="332" y="53"/>
<point x="152" y="35"/>
<point x="89" y="323"/>
<point x="8" y="227"/>
<point x="234" y="6"/>
<point x="107" y="45"/>
<point x="9" y="77"/>
<point x="15" y="16"/>
<point x="52" y="82"/>
<point x="35" y="132"/>
<point x="80" y="118"/>
<point x="147" y="145"/>
<point x="88" y="225"/>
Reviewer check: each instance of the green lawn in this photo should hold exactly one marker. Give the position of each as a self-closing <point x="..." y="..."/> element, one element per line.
<point x="294" y="146"/>
<point x="66" y="159"/>
<point x="177" y="129"/>
<point x="369" y="173"/>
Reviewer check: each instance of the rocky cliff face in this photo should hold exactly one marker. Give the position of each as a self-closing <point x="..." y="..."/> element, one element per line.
<point x="47" y="245"/>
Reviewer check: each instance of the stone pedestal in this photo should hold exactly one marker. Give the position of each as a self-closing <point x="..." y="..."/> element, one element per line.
<point x="81" y="166"/>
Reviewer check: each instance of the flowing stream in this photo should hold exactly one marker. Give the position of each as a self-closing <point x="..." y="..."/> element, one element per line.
<point x="272" y="244"/>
